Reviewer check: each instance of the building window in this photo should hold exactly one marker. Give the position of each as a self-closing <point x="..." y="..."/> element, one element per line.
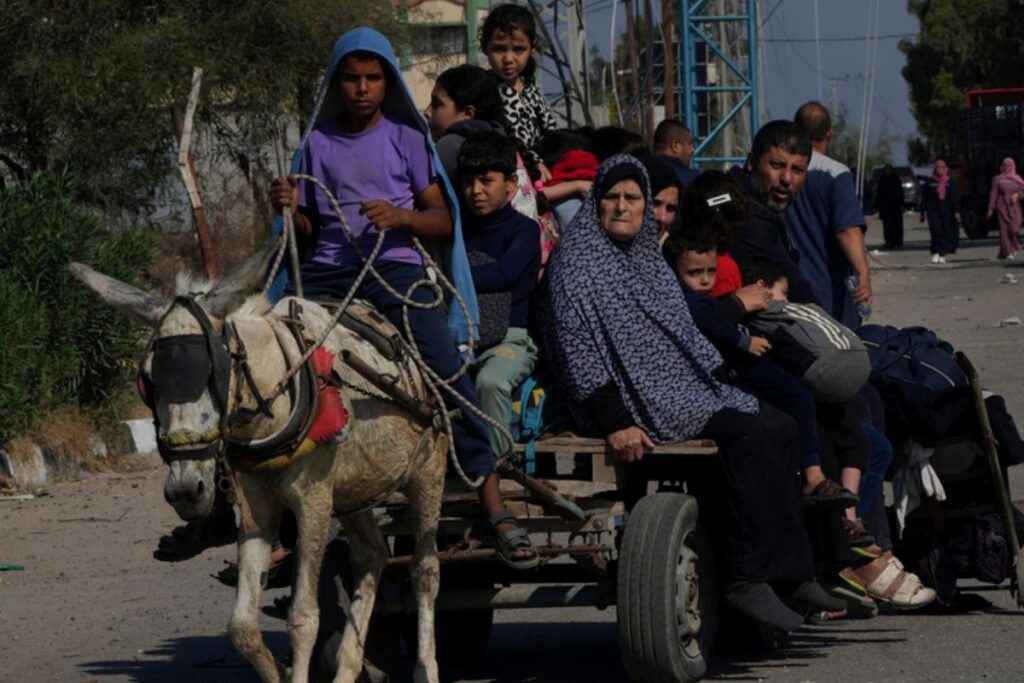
<point x="441" y="40"/>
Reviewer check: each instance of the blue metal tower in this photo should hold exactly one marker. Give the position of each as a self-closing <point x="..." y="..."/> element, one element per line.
<point x="723" y="63"/>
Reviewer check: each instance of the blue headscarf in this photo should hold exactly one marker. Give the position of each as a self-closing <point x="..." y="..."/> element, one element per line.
<point x="400" y="104"/>
<point x="615" y="312"/>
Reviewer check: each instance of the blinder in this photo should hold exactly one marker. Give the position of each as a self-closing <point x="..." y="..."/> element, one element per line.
<point x="182" y="368"/>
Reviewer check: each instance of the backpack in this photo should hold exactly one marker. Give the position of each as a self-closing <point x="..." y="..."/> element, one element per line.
<point x="827" y="357"/>
<point x="535" y="411"/>
<point x="924" y="389"/>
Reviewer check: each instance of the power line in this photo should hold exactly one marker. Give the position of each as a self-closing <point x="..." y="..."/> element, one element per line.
<point x="845" y="39"/>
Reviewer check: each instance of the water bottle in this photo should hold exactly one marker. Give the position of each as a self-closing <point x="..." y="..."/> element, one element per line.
<point x="863" y="310"/>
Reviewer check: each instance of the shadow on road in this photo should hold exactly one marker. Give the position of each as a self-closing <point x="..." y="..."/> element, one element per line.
<point x="799" y="650"/>
<point x="566" y="652"/>
<point x="206" y="659"/>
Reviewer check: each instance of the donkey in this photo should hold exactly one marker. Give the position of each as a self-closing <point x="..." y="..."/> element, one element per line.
<point x="214" y="355"/>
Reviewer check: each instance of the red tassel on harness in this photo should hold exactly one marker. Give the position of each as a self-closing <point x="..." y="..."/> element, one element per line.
<point x="331" y="416"/>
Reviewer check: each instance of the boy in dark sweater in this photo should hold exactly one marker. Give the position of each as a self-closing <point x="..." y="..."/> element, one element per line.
<point x="503" y="247"/>
<point x="692" y="255"/>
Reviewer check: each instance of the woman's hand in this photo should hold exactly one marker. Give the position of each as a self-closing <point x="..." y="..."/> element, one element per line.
<point x="988" y="214"/>
<point x="629" y="444"/>
<point x="753" y="297"/>
<point x="545" y="173"/>
<point x="284" y="192"/>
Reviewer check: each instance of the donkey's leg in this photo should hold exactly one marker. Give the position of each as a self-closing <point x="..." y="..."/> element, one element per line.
<point x="425" y="491"/>
<point x="259" y="528"/>
<point x="368" y="552"/>
<point x="313" y="514"/>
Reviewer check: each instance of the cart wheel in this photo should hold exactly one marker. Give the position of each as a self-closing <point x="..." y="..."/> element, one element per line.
<point x="974" y="223"/>
<point x="668" y="601"/>
<point x="1018" y="567"/>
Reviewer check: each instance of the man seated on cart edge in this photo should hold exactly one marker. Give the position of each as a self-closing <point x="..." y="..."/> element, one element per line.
<point x="365" y="112"/>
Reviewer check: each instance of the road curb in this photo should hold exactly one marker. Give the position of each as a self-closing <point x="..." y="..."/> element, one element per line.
<point x="31" y="465"/>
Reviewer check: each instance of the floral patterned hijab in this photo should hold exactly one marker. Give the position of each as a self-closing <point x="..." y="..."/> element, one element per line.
<point x="614" y="312"/>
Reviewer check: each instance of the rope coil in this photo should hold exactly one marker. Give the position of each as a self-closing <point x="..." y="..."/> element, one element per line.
<point x="434" y="383"/>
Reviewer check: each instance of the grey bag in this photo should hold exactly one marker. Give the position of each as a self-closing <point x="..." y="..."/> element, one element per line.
<point x="826" y="356"/>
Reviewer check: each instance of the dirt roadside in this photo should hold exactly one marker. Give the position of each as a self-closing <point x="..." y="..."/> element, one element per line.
<point x="93" y="605"/>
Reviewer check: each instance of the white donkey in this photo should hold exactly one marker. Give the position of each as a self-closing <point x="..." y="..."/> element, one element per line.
<point x="210" y="372"/>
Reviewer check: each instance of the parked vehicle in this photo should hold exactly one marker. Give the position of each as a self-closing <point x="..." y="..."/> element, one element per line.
<point x="909" y="181"/>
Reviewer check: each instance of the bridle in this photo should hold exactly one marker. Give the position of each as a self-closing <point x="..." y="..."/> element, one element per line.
<point x="185" y="365"/>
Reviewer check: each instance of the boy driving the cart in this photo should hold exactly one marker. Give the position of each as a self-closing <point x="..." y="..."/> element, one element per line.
<point x="369" y="145"/>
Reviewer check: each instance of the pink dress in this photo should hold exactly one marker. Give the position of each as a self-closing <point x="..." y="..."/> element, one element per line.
<point x="1000" y="200"/>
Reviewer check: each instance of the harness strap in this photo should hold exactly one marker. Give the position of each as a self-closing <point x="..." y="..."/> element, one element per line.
<point x="242" y="361"/>
<point x="170" y="455"/>
<point x="287" y="440"/>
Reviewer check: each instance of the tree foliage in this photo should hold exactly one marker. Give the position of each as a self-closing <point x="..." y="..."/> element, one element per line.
<point x="61" y="345"/>
<point x="90" y="85"/>
<point x="963" y="45"/>
<point x="846" y="141"/>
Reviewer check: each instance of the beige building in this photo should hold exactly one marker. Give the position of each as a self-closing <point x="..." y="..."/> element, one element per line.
<point x="450" y="39"/>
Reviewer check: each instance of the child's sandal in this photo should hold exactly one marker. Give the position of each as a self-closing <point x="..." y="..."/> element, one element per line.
<point x="508" y="543"/>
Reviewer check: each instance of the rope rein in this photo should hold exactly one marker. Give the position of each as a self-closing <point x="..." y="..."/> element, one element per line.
<point x="434" y="383"/>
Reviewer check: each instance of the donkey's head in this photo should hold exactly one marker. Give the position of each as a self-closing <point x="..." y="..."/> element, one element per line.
<point x="185" y="372"/>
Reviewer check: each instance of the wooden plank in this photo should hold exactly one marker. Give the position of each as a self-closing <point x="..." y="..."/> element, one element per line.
<point x="577" y="444"/>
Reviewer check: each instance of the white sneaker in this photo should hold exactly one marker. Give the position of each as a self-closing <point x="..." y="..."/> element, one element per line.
<point x="942" y="259"/>
<point x="1010" y="256"/>
<point x="935" y="258"/>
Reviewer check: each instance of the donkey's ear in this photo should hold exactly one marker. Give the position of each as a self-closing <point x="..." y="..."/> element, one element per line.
<point x="229" y="292"/>
<point x="143" y="307"/>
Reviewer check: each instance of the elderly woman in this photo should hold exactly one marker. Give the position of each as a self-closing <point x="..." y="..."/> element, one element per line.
<point x="620" y="339"/>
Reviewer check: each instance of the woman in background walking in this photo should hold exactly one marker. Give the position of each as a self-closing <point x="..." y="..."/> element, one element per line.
<point x="889" y="201"/>
<point x="1004" y="200"/>
<point x="941" y="202"/>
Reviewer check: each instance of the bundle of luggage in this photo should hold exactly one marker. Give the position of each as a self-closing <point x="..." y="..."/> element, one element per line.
<point x="929" y="404"/>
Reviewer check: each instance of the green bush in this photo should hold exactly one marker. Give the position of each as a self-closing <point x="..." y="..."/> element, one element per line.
<point x="61" y="345"/>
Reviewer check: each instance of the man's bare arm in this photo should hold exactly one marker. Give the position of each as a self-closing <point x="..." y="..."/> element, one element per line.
<point x="851" y="241"/>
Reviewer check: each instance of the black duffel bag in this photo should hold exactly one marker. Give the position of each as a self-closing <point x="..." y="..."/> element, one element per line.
<point x="924" y="389"/>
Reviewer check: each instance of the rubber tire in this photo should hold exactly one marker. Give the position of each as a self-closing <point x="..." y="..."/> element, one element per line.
<point x="974" y="223"/>
<point x="660" y="532"/>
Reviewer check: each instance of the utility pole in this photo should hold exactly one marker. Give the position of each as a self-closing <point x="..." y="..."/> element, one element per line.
<point x="561" y="23"/>
<point x="725" y="98"/>
<point x="648" y="121"/>
<point x="633" y="66"/>
<point x="669" y="91"/>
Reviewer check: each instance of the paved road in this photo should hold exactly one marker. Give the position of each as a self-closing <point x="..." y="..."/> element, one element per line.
<point x="93" y="606"/>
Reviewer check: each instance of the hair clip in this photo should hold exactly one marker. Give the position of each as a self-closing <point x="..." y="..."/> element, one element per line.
<point x="719" y="199"/>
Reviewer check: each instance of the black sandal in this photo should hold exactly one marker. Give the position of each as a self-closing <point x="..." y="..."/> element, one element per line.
<point x="187" y="541"/>
<point x="508" y="543"/>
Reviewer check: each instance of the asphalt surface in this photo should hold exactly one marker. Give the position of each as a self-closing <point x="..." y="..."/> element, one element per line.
<point x="92" y="605"/>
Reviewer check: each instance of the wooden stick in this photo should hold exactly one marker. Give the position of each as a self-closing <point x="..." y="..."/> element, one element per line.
<point x="183" y="131"/>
